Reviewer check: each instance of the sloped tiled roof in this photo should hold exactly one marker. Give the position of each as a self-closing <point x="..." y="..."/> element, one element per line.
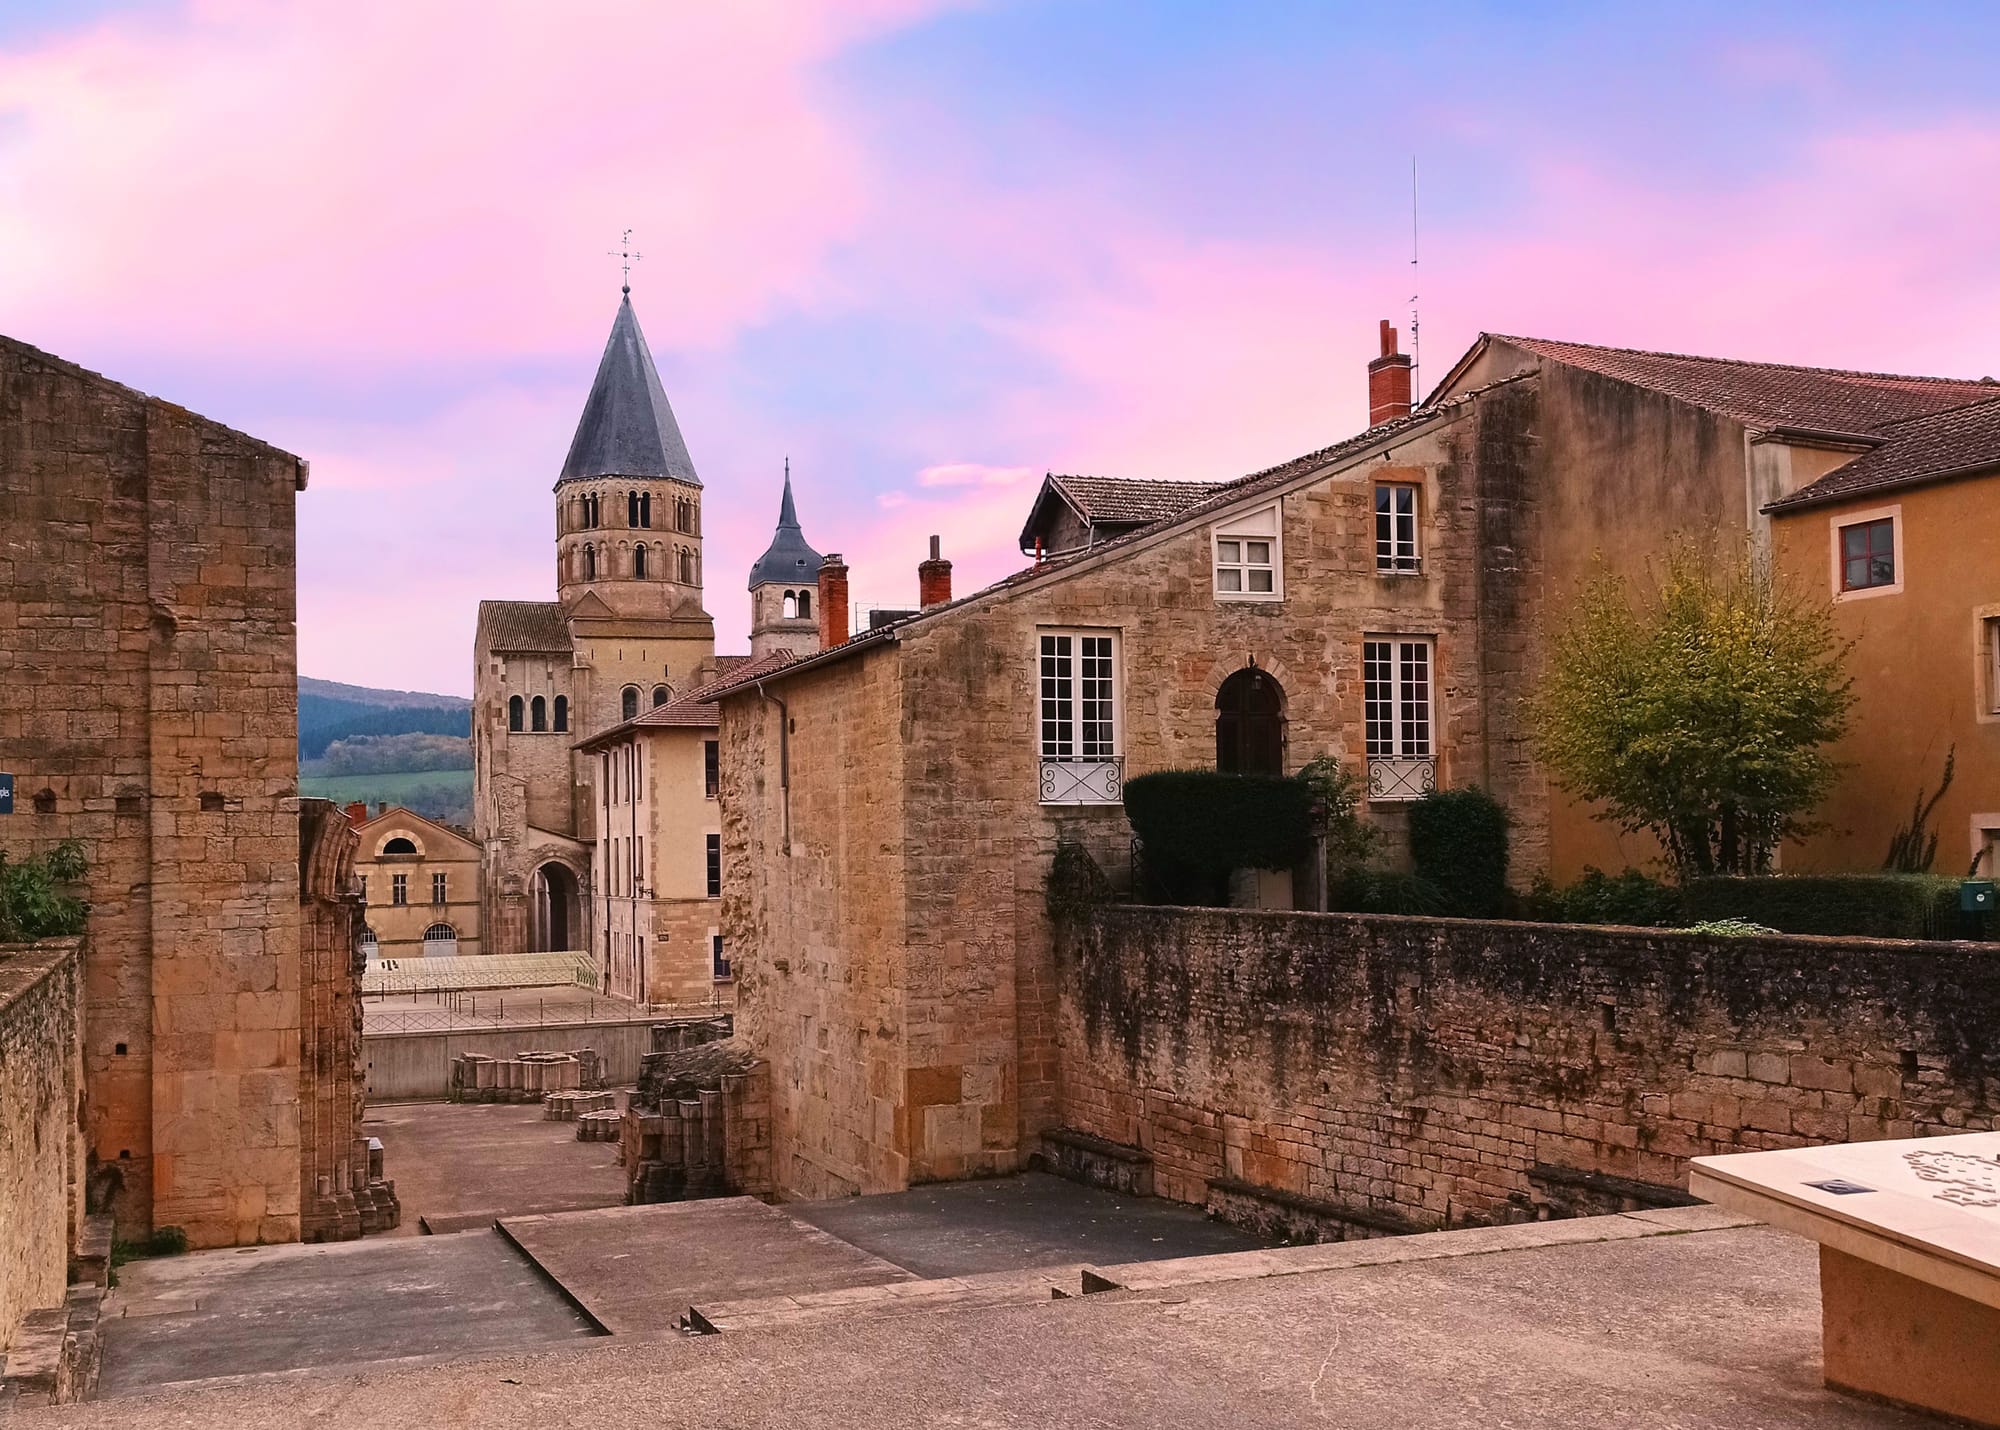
<point x="1763" y="394"/>
<point x="1963" y="440"/>
<point x="788" y="558"/>
<point x="523" y="625"/>
<point x="694" y="709"/>
<point x="1122" y="499"/>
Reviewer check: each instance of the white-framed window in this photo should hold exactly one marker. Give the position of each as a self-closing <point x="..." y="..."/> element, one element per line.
<point x="1396" y="548"/>
<point x="399" y="888"/>
<point x="1397" y="713"/>
<point x="1076" y="716"/>
<point x="1249" y="557"/>
<point x="439" y="883"/>
<point x="1867" y="553"/>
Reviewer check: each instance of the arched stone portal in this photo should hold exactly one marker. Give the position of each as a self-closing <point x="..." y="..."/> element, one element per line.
<point x="1250" y="724"/>
<point x="557" y="910"/>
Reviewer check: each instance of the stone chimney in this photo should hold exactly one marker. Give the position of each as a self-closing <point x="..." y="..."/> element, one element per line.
<point x="832" y="601"/>
<point x="933" y="579"/>
<point x="1388" y="381"/>
<point x="357" y="813"/>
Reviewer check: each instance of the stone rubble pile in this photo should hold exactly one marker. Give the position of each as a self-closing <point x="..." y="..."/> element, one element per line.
<point x="674" y="1135"/>
<point x="526" y="1077"/>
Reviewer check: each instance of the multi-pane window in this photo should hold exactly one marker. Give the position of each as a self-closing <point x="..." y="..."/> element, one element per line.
<point x="437" y="888"/>
<point x="715" y="866"/>
<point x="1396" y="527"/>
<point x="717" y="959"/>
<point x="364" y="888"/>
<point x="399" y="888"/>
<point x="711" y="767"/>
<point x="1248" y="560"/>
<point x="1396" y="698"/>
<point x="638" y="864"/>
<point x="1079" y="716"/>
<point x="1868" y="555"/>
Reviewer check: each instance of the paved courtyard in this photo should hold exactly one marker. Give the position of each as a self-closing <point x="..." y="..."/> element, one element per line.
<point x="1013" y="1223"/>
<point x="464" y="1164"/>
<point x="1704" y="1330"/>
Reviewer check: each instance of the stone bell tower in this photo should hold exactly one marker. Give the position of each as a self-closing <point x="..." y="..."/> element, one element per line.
<point x="783" y="587"/>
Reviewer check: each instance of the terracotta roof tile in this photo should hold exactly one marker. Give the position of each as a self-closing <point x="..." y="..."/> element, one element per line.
<point x="696" y="710"/>
<point x="1966" y="439"/>
<point x="1763" y="394"/>
<point x="523" y="625"/>
<point x="1122" y="499"/>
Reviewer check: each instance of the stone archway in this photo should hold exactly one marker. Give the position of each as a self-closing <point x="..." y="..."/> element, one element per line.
<point x="556" y="910"/>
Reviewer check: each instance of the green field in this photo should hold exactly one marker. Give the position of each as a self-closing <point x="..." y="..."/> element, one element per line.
<point x="436" y="794"/>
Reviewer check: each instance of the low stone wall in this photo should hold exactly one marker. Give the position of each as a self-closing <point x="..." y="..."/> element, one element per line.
<point x="1342" y="1074"/>
<point x="41" y="1148"/>
<point x="418" y="1066"/>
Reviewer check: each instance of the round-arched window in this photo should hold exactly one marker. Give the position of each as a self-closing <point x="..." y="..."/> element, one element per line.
<point x="440" y="941"/>
<point x="661" y="695"/>
<point x="628" y="703"/>
<point x="399" y="845"/>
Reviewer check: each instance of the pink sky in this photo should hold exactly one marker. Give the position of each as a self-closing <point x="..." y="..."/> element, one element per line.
<point x="927" y="251"/>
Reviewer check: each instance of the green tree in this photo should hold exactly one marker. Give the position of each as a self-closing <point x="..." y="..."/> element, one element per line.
<point x="1697" y="709"/>
<point x="37" y="895"/>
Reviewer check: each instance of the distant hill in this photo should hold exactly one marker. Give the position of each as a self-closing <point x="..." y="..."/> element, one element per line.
<point x="330" y="711"/>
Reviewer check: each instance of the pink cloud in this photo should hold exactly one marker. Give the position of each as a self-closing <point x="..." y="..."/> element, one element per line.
<point x="335" y="177"/>
<point x="973" y="474"/>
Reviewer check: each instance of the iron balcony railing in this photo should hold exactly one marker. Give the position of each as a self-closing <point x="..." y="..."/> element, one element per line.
<point x="1401" y="779"/>
<point x="1099" y="780"/>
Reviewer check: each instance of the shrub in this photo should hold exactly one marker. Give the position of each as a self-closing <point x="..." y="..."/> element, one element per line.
<point x="1075" y="885"/>
<point x="1458" y="843"/>
<point x="1196" y="827"/>
<point x="1842" y="905"/>
<point x="1350" y="839"/>
<point x="1381" y="891"/>
<point x="37" y="895"/>
<point x="1628" y="898"/>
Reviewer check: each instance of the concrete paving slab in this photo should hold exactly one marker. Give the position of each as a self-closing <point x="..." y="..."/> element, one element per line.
<point x="1702" y="1331"/>
<point x="1010" y="1223"/>
<point x="637" y="1270"/>
<point x="464" y="1164"/>
<point x="268" y="1309"/>
<point x="899" y="1298"/>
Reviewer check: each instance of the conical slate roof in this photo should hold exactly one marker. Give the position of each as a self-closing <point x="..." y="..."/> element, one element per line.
<point x="627" y="428"/>
<point x="789" y="560"/>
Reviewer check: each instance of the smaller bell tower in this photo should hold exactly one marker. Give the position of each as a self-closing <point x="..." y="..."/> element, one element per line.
<point x="784" y="585"/>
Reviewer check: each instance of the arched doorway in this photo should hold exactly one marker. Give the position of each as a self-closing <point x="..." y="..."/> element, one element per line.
<point x="440" y="941"/>
<point x="558" y="923"/>
<point x="1250" y="724"/>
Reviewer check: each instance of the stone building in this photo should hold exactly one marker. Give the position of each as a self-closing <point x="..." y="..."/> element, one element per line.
<point x="148" y="708"/>
<point x="658" y="903"/>
<point x="419" y="885"/>
<point x="627" y="632"/>
<point x="891" y="804"/>
<point x="1905" y="540"/>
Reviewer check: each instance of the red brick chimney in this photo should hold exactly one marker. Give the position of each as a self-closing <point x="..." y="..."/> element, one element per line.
<point x="933" y="579"/>
<point x="832" y="601"/>
<point x="357" y="813"/>
<point x="1388" y="381"/>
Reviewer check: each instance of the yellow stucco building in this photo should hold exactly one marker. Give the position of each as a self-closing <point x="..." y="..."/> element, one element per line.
<point x="419" y="881"/>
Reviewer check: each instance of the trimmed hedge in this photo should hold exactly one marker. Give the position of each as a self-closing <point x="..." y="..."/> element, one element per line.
<point x="1629" y="899"/>
<point x="1197" y="827"/>
<point x="1458" y="845"/>
<point x="1850" y="905"/>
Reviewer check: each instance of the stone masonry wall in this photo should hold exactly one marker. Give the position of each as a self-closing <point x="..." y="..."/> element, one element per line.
<point x="1444" y="1071"/>
<point x="41" y="1153"/>
<point x="148" y="707"/>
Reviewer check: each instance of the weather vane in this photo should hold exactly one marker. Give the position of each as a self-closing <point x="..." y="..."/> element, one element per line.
<point x="627" y="257"/>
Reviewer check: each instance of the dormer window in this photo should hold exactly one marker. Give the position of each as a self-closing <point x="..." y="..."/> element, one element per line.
<point x="1248" y="557"/>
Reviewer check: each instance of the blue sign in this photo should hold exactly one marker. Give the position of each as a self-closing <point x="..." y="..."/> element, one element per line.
<point x="6" y="794"/>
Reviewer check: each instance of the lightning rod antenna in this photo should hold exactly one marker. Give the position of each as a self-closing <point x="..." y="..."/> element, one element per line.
<point x="1416" y="346"/>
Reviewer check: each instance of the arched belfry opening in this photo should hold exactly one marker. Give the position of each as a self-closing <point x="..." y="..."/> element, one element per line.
<point x="1250" y="724"/>
<point x="556" y="910"/>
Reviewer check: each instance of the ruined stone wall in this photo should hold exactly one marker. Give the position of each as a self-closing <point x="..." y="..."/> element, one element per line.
<point x="333" y="1158"/>
<point x="815" y="917"/>
<point x="148" y="706"/>
<point x="1442" y="1071"/>
<point x="41" y="1151"/>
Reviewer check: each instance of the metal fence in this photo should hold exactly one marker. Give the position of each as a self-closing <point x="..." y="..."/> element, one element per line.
<point x="466" y="1012"/>
<point x="479" y="971"/>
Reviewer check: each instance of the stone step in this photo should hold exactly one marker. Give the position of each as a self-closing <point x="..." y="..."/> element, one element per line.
<point x="895" y="1298"/>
